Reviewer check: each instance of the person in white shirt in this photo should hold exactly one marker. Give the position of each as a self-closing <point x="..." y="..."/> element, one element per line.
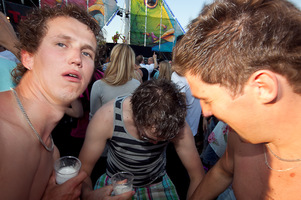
<point x="194" y="109"/>
<point x="152" y="64"/>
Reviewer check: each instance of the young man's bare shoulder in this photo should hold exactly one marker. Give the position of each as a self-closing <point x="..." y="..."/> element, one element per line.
<point x="103" y="116"/>
<point x="5" y="99"/>
<point x="240" y="150"/>
<point x="239" y="154"/>
<point x="248" y="162"/>
<point x="8" y="111"/>
<point x="241" y="147"/>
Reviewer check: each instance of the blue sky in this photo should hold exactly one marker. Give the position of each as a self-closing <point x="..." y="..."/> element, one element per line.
<point x="184" y="11"/>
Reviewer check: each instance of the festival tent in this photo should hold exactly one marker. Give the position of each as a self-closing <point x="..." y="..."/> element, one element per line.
<point x="153" y="24"/>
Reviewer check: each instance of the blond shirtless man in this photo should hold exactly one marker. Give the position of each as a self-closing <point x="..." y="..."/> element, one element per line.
<point x="57" y="47"/>
<point x="242" y="59"/>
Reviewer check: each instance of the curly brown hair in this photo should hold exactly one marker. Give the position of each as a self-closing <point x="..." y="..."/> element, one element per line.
<point x="33" y="29"/>
<point x="159" y="105"/>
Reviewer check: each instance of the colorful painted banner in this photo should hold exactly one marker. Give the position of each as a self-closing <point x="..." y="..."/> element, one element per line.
<point x="154" y="25"/>
<point x="101" y="10"/>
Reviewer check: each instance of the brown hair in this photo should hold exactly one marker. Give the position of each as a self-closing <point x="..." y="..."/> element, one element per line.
<point x="231" y="39"/>
<point x="159" y="105"/>
<point x="33" y="28"/>
<point x="139" y="58"/>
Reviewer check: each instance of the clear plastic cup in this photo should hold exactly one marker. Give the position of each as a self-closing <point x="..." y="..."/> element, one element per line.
<point x="122" y="182"/>
<point x="66" y="168"/>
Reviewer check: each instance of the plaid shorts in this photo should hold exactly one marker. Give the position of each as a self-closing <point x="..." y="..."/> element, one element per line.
<point x="158" y="191"/>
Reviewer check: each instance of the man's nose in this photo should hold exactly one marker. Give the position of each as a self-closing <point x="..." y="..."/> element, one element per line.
<point x="206" y="110"/>
<point x="206" y="113"/>
<point x="75" y="58"/>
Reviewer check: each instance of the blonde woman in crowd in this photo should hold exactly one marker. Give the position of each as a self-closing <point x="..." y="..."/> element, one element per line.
<point x="164" y="71"/>
<point x="119" y="78"/>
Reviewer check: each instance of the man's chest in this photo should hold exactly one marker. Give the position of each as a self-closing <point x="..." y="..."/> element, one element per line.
<point x="253" y="179"/>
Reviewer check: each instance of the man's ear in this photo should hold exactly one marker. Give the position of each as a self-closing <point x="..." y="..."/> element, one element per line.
<point x="27" y="59"/>
<point x="265" y="84"/>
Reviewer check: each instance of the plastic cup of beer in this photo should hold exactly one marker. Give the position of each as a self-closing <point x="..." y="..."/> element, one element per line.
<point x="66" y="168"/>
<point x="122" y="182"/>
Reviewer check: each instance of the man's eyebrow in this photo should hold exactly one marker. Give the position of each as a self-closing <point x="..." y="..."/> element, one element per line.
<point x="63" y="37"/>
<point x="86" y="46"/>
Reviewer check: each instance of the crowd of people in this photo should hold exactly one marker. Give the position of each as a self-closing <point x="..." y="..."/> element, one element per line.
<point x="234" y="79"/>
